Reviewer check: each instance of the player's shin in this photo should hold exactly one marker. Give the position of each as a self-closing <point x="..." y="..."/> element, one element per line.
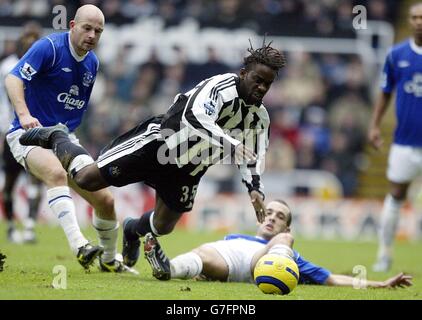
<point x="61" y="203"/>
<point x="388" y="225"/>
<point x="186" y="266"/>
<point x="139" y="227"/>
<point x="107" y="231"/>
<point x="66" y="151"/>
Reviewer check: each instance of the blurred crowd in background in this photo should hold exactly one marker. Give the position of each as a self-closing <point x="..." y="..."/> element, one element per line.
<point x="319" y="105"/>
<point x="277" y="17"/>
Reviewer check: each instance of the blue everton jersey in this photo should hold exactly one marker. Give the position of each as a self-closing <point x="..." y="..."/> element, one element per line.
<point x="57" y="82"/>
<point x="309" y="273"/>
<point x="403" y="71"/>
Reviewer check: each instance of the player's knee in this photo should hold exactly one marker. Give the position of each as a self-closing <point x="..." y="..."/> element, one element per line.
<point x="398" y="191"/>
<point x="104" y="202"/>
<point x="108" y="201"/>
<point x="85" y="182"/>
<point x="56" y="175"/>
<point x="283" y="238"/>
<point x="213" y="265"/>
<point x="81" y="181"/>
<point x="201" y="251"/>
<point x="398" y="194"/>
<point x="89" y="179"/>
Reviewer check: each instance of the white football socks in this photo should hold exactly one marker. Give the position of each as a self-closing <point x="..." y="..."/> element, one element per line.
<point x="61" y="203"/>
<point x="29" y="224"/>
<point x="186" y="266"/>
<point x="282" y="250"/>
<point x="107" y="233"/>
<point x="388" y="225"/>
<point x="151" y="223"/>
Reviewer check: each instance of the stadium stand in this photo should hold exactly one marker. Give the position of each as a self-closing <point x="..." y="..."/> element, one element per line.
<point x="319" y="106"/>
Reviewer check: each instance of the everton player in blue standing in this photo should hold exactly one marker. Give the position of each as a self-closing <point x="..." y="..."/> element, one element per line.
<point x="52" y="84"/>
<point x="403" y="71"/>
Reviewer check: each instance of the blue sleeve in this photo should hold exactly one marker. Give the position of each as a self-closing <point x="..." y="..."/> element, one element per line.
<point x="387" y="77"/>
<point x="37" y="59"/>
<point x="310" y="273"/>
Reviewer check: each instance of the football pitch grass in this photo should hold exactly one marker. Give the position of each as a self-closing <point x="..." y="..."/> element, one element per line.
<point x="28" y="272"/>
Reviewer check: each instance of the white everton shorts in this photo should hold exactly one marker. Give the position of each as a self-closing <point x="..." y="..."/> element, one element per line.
<point x="404" y="163"/>
<point x="19" y="151"/>
<point x="238" y="254"/>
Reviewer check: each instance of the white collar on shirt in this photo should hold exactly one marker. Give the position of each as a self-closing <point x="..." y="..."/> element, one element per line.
<point x="73" y="52"/>
<point x="415" y="47"/>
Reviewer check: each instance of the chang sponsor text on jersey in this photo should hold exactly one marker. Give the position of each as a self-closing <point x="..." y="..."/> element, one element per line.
<point x="68" y="99"/>
<point x="414" y="86"/>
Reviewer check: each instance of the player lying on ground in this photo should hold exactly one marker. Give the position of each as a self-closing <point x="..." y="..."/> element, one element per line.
<point x="233" y="259"/>
<point x="219" y="119"/>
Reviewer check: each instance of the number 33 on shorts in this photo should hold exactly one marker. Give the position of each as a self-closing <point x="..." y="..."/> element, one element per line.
<point x="188" y="195"/>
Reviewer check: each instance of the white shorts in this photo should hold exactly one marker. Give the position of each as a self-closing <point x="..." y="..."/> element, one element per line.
<point x="238" y="254"/>
<point x="404" y="163"/>
<point x="19" y="151"/>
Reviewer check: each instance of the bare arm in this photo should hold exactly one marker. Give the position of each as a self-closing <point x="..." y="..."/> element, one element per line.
<point x="374" y="132"/>
<point x="14" y="87"/>
<point x="399" y="280"/>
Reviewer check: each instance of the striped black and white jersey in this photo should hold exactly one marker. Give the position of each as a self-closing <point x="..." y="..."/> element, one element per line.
<point x="205" y="124"/>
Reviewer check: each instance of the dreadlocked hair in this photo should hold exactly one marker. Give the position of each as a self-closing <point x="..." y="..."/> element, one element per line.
<point x="266" y="55"/>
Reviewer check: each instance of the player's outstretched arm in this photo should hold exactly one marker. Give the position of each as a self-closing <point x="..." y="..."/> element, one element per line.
<point x="15" y="90"/>
<point x="259" y="205"/>
<point x="400" y="280"/>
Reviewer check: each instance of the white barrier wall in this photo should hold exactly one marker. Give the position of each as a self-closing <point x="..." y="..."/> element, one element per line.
<point x="312" y="217"/>
<point x="129" y="202"/>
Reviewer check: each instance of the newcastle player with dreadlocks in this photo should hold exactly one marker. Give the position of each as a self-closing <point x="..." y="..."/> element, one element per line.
<point x="221" y="117"/>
